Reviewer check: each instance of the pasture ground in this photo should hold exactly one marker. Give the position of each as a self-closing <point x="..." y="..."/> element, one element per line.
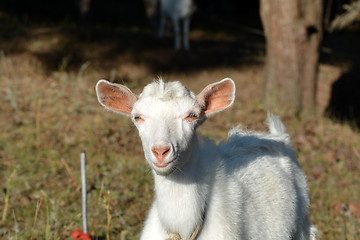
<point x="49" y="114"/>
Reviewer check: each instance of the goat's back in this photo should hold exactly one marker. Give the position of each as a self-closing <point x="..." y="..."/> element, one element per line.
<point x="264" y="182"/>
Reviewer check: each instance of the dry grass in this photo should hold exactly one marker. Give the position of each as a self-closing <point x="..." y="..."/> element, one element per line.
<point x="49" y="116"/>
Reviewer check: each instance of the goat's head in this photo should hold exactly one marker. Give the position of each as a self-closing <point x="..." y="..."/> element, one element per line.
<point x="166" y="115"/>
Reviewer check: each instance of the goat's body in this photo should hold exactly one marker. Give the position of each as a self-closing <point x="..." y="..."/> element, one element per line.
<point x="250" y="187"/>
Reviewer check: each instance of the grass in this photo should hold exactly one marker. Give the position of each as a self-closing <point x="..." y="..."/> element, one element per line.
<point x="49" y="116"/>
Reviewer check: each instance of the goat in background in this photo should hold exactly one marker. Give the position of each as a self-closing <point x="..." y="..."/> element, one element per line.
<point x="178" y="11"/>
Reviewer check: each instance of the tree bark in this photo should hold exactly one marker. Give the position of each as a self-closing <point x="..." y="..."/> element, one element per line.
<point x="293" y="31"/>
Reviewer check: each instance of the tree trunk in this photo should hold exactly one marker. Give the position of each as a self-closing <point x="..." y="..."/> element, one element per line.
<point x="293" y="31"/>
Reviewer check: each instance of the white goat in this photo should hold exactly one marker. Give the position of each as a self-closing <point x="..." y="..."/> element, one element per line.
<point x="177" y="10"/>
<point x="249" y="187"/>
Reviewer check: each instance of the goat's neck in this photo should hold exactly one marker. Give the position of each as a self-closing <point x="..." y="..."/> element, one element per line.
<point x="181" y="196"/>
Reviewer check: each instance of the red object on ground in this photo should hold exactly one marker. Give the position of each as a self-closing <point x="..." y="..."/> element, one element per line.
<point x="78" y="234"/>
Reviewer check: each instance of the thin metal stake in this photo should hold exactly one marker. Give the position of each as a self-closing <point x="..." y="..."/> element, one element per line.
<point x="83" y="188"/>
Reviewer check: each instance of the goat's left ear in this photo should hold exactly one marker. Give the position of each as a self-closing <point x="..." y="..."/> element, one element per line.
<point x="115" y="97"/>
<point x="217" y="96"/>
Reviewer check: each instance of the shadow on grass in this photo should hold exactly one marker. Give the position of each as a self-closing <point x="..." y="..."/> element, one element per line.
<point x="344" y="103"/>
<point x="109" y="48"/>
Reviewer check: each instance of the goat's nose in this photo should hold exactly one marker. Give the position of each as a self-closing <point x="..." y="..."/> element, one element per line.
<point x="160" y="152"/>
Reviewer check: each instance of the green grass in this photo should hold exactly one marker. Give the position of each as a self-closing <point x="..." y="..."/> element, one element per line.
<point x="49" y="117"/>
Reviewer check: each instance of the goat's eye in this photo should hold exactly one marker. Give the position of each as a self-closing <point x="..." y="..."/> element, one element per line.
<point x="191" y="116"/>
<point x="138" y="118"/>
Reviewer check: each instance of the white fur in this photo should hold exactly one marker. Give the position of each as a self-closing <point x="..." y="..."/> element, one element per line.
<point x="250" y="186"/>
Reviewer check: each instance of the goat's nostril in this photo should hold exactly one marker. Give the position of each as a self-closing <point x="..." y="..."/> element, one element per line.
<point x="160" y="152"/>
<point x="166" y="152"/>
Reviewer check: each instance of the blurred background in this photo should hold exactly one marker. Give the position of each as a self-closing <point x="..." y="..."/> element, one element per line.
<point x="298" y="59"/>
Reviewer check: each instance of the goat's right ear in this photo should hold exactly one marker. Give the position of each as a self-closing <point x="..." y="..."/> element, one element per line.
<point x="115" y="97"/>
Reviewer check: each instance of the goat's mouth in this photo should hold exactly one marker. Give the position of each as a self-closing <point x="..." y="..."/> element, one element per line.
<point x="161" y="165"/>
<point x="164" y="169"/>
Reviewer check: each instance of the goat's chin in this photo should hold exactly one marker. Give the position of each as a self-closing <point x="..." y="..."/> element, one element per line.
<point x="165" y="171"/>
<point x="168" y="170"/>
